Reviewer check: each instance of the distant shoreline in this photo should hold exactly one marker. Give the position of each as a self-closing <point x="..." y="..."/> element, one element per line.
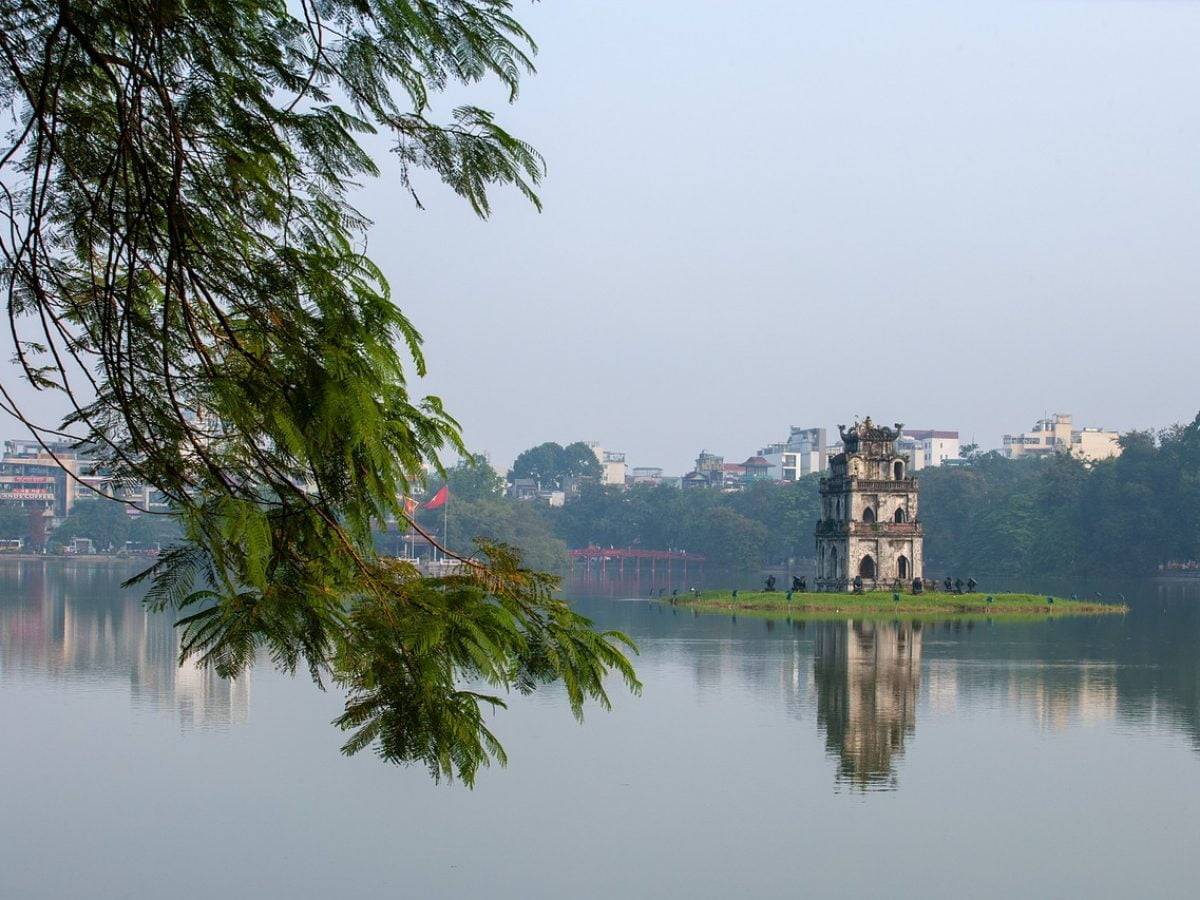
<point x="104" y="558"/>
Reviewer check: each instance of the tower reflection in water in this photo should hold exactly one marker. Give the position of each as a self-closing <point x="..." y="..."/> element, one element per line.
<point x="62" y="622"/>
<point x="867" y="675"/>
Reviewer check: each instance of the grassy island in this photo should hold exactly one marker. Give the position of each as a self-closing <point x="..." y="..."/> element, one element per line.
<point x="881" y="602"/>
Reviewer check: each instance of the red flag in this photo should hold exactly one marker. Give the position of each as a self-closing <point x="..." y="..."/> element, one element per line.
<point x="439" y="499"/>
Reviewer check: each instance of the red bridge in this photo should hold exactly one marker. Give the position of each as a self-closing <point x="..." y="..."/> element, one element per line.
<point x="609" y="563"/>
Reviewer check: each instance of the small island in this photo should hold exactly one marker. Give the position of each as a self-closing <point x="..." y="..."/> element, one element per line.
<point x="882" y="603"/>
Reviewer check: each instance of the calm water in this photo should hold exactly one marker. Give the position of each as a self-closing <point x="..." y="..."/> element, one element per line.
<point x="1048" y="759"/>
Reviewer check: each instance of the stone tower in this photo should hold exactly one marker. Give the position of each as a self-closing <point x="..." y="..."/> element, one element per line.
<point x="869" y="525"/>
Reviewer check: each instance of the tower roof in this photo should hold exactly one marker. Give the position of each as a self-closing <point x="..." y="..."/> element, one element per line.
<point x="866" y="430"/>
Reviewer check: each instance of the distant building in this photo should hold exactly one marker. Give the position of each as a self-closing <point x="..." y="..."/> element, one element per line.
<point x="1058" y="434"/>
<point x="756" y="469"/>
<point x="529" y="489"/>
<point x="644" y="475"/>
<point x="710" y="465"/>
<point x="612" y="464"/>
<point x="709" y="472"/>
<point x="83" y="546"/>
<point x="803" y="453"/>
<point x="733" y="476"/>
<point x="1095" y="444"/>
<point x="938" y="447"/>
<point x="523" y="489"/>
<point x="914" y="450"/>
<point x="32" y="478"/>
<point x="713" y="472"/>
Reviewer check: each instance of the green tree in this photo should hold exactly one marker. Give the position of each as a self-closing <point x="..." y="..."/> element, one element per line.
<point x="542" y="463"/>
<point x="473" y="479"/>
<point x="550" y="463"/>
<point x="578" y="460"/>
<point x="105" y="522"/>
<point x="14" y="523"/>
<point x="153" y="529"/>
<point x="184" y="266"/>
<point x="728" y="538"/>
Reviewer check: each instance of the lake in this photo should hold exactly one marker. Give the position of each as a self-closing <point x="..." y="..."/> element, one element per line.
<point x="764" y="759"/>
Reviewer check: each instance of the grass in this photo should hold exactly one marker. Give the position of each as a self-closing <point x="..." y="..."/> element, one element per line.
<point x="935" y="602"/>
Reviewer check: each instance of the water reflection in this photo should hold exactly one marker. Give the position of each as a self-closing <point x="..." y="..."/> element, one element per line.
<point x="62" y="621"/>
<point x="861" y="688"/>
<point x="869" y="684"/>
<point x="867" y="675"/>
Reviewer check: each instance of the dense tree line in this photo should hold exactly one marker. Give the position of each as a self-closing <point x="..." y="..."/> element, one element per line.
<point x="1127" y="515"/>
<point x="764" y="524"/>
<point x="107" y="523"/>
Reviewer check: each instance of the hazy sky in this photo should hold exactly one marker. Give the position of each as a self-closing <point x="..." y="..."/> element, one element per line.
<point x="952" y="214"/>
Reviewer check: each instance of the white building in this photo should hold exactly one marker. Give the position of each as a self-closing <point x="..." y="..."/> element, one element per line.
<point x="937" y="446"/>
<point x="803" y="453"/>
<point x="914" y="450"/>
<point x="1057" y="434"/>
<point x="612" y="463"/>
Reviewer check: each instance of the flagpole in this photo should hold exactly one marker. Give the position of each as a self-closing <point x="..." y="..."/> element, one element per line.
<point x="445" y="520"/>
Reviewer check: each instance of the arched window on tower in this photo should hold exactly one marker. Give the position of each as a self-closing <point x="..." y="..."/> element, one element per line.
<point x="898" y="470"/>
<point x="833" y="563"/>
<point x="902" y="567"/>
<point x="869" y="514"/>
<point x="866" y="568"/>
<point x="901" y="516"/>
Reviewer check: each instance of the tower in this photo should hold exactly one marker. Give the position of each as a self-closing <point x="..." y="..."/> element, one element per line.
<point x="869" y="526"/>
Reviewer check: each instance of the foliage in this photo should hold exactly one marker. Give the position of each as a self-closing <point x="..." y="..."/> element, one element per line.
<point x="14" y="523"/>
<point x="105" y="522"/>
<point x="765" y="524"/>
<point x="473" y="479"/>
<point x="148" y="529"/>
<point x="549" y="464"/>
<point x="479" y="511"/>
<point x="181" y="262"/>
<point x="1126" y="515"/>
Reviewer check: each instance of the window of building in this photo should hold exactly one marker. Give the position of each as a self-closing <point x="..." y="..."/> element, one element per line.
<point x="868" y="515"/>
<point x="866" y="568"/>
